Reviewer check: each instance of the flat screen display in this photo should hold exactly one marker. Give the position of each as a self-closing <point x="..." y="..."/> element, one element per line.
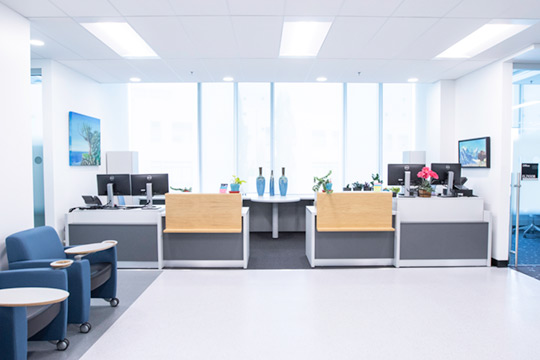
<point x="474" y="153"/>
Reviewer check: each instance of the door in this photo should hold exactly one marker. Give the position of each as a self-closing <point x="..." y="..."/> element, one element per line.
<point x="525" y="201"/>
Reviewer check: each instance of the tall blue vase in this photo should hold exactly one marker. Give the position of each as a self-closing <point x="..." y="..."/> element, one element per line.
<point x="283" y="182"/>
<point x="272" y="184"/>
<point x="260" y="183"/>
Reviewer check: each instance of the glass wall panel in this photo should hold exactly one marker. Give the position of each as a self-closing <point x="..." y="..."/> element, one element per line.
<point x="163" y="120"/>
<point x="308" y="133"/>
<point x="217" y="135"/>
<point x="398" y="123"/>
<point x="253" y="132"/>
<point x="362" y="149"/>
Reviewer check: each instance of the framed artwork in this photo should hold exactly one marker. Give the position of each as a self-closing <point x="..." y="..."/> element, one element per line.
<point x="475" y="153"/>
<point x="84" y="140"/>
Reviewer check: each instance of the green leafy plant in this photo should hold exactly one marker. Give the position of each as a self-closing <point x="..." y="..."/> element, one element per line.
<point x="357" y="186"/>
<point x="322" y="182"/>
<point x="236" y="180"/>
<point x="347" y="187"/>
<point x="395" y="189"/>
<point x="186" y="189"/>
<point x="375" y="179"/>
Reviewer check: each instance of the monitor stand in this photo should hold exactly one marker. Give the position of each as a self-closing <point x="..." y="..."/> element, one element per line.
<point x="149" y="201"/>
<point x="110" y="196"/>
<point x="407" y="185"/>
<point x="450" y="185"/>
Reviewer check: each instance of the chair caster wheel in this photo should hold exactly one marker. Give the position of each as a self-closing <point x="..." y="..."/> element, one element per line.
<point x="114" y="302"/>
<point x="62" y="345"/>
<point x="85" y="328"/>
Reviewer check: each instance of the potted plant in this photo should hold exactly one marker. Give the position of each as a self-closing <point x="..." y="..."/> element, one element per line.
<point x="395" y="190"/>
<point x="376" y="182"/>
<point x="235" y="185"/>
<point x="186" y="189"/>
<point x="347" y="187"/>
<point x="425" y="189"/>
<point x="323" y="182"/>
<point x="367" y="186"/>
<point x="357" y="186"/>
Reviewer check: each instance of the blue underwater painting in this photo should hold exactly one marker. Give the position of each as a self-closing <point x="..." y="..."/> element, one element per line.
<point x="84" y="140"/>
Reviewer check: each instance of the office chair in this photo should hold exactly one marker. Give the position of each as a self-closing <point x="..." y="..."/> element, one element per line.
<point x="20" y="324"/>
<point x="93" y="276"/>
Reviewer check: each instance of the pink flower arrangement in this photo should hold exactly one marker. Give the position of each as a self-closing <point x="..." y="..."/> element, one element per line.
<point x="427" y="174"/>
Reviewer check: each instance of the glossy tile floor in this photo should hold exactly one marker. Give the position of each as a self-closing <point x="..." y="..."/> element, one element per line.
<point x="428" y="313"/>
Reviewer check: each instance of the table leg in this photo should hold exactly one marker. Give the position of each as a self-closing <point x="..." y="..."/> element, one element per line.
<point x="275" y="223"/>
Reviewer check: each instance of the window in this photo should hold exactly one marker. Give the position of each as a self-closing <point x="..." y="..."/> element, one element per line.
<point x="308" y="133"/>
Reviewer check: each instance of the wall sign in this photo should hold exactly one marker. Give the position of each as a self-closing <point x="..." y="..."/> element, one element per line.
<point x="529" y="171"/>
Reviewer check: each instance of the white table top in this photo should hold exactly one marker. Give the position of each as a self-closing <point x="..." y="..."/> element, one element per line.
<point x="31" y="296"/>
<point x="275" y="199"/>
<point x="90" y="248"/>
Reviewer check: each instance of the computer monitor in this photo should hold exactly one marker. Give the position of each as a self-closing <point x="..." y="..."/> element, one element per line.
<point x="113" y="184"/>
<point x="449" y="174"/>
<point x="149" y="185"/>
<point x="405" y="175"/>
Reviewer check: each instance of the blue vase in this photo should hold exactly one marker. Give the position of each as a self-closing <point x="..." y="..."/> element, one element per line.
<point x="260" y="183"/>
<point x="235" y="187"/>
<point x="328" y="187"/>
<point x="283" y="182"/>
<point x="271" y="185"/>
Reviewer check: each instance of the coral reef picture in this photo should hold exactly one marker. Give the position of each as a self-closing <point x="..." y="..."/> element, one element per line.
<point x="474" y="153"/>
<point x="84" y="140"/>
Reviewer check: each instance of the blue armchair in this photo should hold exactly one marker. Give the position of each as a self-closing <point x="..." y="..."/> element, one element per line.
<point x="93" y="276"/>
<point x="20" y="324"/>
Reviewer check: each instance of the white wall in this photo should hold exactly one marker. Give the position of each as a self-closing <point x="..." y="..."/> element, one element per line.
<point x="16" y="212"/>
<point x="483" y="108"/>
<point x="63" y="91"/>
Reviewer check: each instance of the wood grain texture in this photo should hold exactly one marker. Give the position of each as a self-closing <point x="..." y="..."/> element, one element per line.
<point x="365" y="211"/>
<point x="203" y="213"/>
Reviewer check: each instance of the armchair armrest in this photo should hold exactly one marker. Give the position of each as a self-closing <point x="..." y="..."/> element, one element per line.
<point x="31" y="264"/>
<point x="34" y="278"/>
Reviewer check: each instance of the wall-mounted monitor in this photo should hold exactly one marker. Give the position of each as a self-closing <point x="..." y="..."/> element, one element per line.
<point x="475" y="153"/>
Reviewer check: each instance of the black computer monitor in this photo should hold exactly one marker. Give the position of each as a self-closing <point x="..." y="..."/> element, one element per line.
<point x="149" y="185"/>
<point x="449" y="174"/>
<point x="113" y="184"/>
<point x="404" y="174"/>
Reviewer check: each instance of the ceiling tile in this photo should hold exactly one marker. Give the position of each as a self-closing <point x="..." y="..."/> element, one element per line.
<point x="259" y="7"/>
<point x="157" y="32"/>
<point x="190" y="70"/>
<point x="154" y="70"/>
<point x="51" y="49"/>
<point x="34" y="8"/>
<point x="293" y="70"/>
<point x="259" y="70"/>
<point x="480" y="8"/>
<point x="312" y="7"/>
<point x="442" y="35"/>
<point x="73" y="36"/>
<point x="143" y="7"/>
<point x="200" y="7"/>
<point x="395" y="35"/>
<point x="258" y="36"/>
<point x="35" y="55"/>
<point x="513" y="45"/>
<point x="121" y="69"/>
<point x="219" y="68"/>
<point x="433" y="8"/>
<point x="522" y="9"/>
<point x="90" y="70"/>
<point x="369" y="7"/>
<point x="213" y="36"/>
<point x="463" y="69"/>
<point x="86" y="7"/>
<point x="348" y="35"/>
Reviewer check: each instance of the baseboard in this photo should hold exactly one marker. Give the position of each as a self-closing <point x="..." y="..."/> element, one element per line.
<point x="499" y="263"/>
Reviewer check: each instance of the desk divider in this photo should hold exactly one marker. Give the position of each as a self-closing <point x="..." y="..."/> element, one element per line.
<point x="203" y="213"/>
<point x="351" y="212"/>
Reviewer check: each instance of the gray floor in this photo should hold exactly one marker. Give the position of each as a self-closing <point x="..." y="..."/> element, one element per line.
<point x="131" y="284"/>
<point x="286" y="252"/>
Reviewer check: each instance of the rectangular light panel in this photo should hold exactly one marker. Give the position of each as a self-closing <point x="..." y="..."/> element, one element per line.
<point x="482" y="39"/>
<point x="303" y="38"/>
<point x="121" y="37"/>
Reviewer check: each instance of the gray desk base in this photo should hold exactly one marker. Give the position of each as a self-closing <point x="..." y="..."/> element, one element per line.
<point x="292" y="216"/>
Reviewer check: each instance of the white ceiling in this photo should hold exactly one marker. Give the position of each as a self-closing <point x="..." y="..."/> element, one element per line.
<point x="205" y="40"/>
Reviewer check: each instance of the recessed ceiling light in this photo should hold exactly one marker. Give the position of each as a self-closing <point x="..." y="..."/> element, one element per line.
<point x="412" y="80"/>
<point x="36" y="42"/>
<point x="303" y="38"/>
<point x="228" y="78"/>
<point x="121" y="37"/>
<point x="135" y="79"/>
<point x="484" y="38"/>
<point x="321" y="78"/>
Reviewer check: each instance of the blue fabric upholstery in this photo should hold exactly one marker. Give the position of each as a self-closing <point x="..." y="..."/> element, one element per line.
<point x="13" y="323"/>
<point x="40" y="246"/>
